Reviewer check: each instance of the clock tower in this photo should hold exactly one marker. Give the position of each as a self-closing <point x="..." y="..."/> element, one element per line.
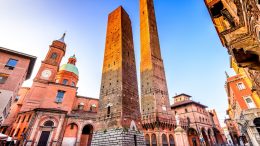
<point x="51" y="63"/>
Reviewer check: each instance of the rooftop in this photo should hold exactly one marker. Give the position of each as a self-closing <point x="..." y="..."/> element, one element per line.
<point x="186" y="102"/>
<point x="182" y="94"/>
<point x="70" y="67"/>
<point x="79" y="96"/>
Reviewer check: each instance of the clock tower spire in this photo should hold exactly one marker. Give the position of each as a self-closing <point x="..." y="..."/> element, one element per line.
<point x="50" y="65"/>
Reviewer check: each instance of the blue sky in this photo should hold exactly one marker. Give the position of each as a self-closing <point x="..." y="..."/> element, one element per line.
<point x="194" y="58"/>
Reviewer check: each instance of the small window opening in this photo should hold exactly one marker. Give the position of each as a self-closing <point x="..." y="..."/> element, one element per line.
<point x="108" y="111"/>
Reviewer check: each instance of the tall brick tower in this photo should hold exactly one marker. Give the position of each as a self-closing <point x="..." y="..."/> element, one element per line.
<point x="119" y="118"/>
<point x="155" y="97"/>
<point x="155" y="105"/>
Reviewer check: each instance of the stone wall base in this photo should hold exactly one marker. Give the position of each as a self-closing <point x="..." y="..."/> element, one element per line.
<point x="118" y="137"/>
<point x="181" y="137"/>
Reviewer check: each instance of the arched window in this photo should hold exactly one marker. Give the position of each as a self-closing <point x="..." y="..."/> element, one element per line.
<point x="54" y="55"/>
<point x="81" y="106"/>
<point x="64" y="82"/>
<point x="147" y="140"/>
<point x="93" y="108"/>
<point x="154" y="140"/>
<point x="171" y="139"/>
<point x="48" y="123"/>
<point x="164" y="140"/>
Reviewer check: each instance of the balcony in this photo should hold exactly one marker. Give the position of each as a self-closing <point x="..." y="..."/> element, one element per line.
<point x="245" y="58"/>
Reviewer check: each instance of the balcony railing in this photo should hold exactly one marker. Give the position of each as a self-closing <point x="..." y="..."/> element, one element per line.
<point x="162" y="118"/>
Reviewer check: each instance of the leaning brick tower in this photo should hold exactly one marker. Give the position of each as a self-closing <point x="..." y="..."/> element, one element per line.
<point x="157" y="119"/>
<point x="119" y="118"/>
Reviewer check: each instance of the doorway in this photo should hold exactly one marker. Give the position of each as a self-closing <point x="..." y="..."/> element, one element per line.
<point x="43" y="141"/>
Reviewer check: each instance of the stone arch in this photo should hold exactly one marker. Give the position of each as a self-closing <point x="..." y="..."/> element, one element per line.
<point x="70" y="135"/>
<point x="74" y="122"/>
<point x="193" y="137"/>
<point x="88" y="122"/>
<point x="218" y="136"/>
<point x="49" y="118"/>
<point x="171" y="140"/>
<point x="48" y="123"/>
<point x="147" y="140"/>
<point x="46" y="131"/>
<point x="154" y="140"/>
<point x="86" y="135"/>
<point x="205" y="137"/>
<point x="164" y="140"/>
<point x="210" y="136"/>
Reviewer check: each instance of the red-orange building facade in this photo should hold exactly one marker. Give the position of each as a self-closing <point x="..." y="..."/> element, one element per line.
<point x="239" y="93"/>
<point x="50" y="112"/>
<point x="242" y="111"/>
<point x="15" y="68"/>
<point x="200" y="126"/>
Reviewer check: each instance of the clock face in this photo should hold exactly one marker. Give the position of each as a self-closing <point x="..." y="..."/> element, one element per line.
<point x="46" y="73"/>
